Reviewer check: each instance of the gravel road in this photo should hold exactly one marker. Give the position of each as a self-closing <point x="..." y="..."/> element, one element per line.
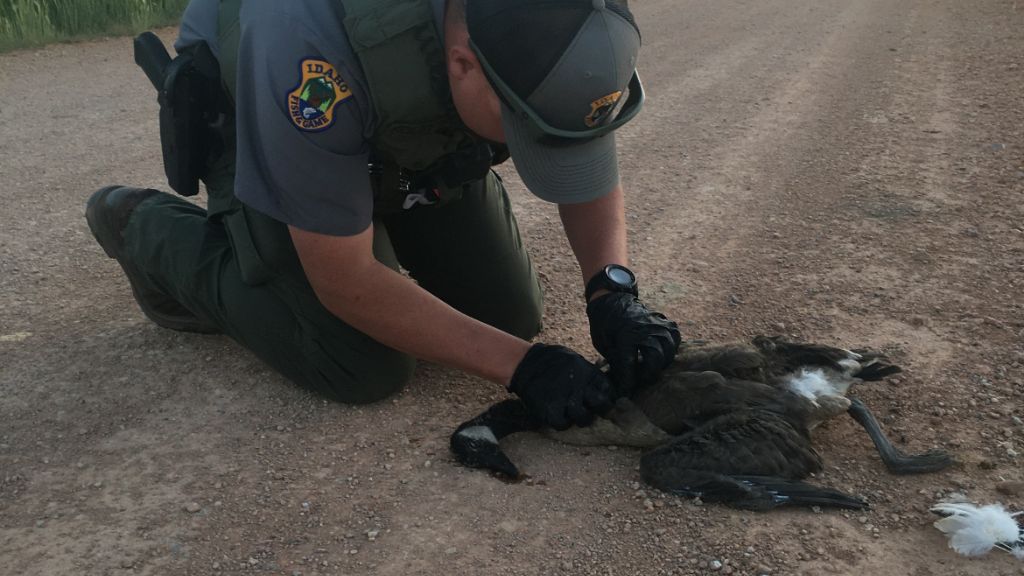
<point x="847" y="171"/>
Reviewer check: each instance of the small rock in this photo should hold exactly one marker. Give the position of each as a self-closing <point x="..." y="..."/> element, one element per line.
<point x="1010" y="488"/>
<point x="715" y="565"/>
<point x="371" y="535"/>
<point x="192" y="507"/>
<point x="451" y="550"/>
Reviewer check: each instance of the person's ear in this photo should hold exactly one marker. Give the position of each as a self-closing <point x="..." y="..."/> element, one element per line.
<point x="461" y="62"/>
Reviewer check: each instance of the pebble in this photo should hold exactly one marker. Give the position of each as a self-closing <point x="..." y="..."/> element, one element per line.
<point x="192" y="507"/>
<point x="451" y="550"/>
<point x="371" y="535"/>
<point x="1010" y="488"/>
<point x="715" y="565"/>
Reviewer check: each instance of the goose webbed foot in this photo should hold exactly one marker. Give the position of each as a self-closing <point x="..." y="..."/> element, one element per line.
<point x="895" y="460"/>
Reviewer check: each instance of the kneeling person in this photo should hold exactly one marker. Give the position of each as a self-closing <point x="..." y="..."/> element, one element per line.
<point x="359" y="137"/>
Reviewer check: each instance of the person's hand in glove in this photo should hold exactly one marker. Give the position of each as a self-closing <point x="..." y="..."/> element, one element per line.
<point x="637" y="342"/>
<point x="560" y="387"/>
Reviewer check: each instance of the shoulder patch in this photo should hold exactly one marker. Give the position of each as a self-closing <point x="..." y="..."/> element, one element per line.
<point x="311" y="104"/>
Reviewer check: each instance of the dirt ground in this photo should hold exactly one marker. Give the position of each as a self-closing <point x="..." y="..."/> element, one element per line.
<point x="846" y="171"/>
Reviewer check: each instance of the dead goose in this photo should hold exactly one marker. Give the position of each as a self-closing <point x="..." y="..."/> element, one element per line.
<point x="728" y="423"/>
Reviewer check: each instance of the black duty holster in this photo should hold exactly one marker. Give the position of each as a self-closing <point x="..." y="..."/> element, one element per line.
<point x="193" y="108"/>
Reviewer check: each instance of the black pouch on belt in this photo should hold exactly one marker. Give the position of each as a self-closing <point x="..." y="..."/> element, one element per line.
<point x="192" y="108"/>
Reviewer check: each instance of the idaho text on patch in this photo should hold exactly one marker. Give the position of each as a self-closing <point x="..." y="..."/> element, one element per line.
<point x="311" y="105"/>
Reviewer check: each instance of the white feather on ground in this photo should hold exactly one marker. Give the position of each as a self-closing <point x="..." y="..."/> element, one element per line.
<point x="974" y="530"/>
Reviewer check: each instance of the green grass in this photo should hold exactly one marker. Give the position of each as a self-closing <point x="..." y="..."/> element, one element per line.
<point x="25" y="23"/>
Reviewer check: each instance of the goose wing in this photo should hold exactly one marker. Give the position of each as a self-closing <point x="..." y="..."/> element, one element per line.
<point x="745" y="442"/>
<point x="683" y="401"/>
<point x="749" y="459"/>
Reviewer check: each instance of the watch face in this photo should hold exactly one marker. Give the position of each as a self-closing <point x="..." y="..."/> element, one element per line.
<point x="620" y="276"/>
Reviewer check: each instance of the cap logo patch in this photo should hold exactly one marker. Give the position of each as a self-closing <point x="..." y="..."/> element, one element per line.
<point x="311" y="104"/>
<point x="600" y="109"/>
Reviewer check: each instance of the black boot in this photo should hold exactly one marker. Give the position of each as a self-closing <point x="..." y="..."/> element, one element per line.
<point x="107" y="213"/>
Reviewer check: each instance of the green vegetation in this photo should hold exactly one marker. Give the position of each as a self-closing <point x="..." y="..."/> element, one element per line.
<point x="26" y="23"/>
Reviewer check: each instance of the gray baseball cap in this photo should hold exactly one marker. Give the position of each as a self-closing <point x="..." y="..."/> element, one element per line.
<point x="565" y="71"/>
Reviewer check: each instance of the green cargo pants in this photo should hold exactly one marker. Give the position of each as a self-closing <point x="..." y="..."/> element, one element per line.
<point x="237" y="268"/>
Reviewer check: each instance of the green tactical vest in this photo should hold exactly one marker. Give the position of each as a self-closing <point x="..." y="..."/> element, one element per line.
<point x="419" y="140"/>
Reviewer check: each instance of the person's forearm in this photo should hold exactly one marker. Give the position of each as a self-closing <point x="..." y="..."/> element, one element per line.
<point x="597" y="232"/>
<point x="398" y="313"/>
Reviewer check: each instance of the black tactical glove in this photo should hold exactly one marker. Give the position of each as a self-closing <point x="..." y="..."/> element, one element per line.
<point x="560" y="387"/>
<point x="637" y="342"/>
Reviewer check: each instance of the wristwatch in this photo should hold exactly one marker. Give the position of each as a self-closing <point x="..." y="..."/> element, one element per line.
<point x="614" y="278"/>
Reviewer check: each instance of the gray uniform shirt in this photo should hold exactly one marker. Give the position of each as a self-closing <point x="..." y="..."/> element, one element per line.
<point x="303" y="115"/>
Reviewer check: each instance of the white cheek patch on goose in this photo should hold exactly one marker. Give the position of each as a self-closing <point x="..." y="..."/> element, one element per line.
<point x="479" y="434"/>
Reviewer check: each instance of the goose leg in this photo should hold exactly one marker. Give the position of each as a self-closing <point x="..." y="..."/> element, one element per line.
<point x="896" y="461"/>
